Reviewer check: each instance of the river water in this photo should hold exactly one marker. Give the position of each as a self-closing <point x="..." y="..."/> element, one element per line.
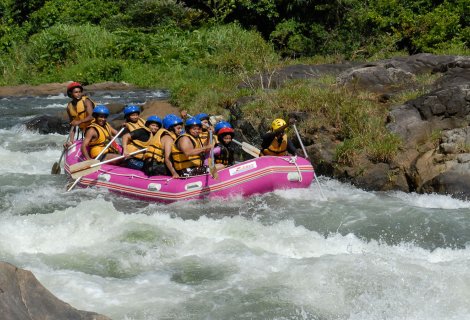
<point x="285" y="255"/>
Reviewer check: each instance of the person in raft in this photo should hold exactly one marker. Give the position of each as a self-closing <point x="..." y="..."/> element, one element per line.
<point x="188" y="152"/>
<point x="138" y="139"/>
<point x="79" y="110"/>
<point x="206" y="126"/>
<point x="160" y="146"/>
<point x="97" y="136"/>
<point x="133" y="120"/>
<point x="225" y="133"/>
<point x="275" y="142"/>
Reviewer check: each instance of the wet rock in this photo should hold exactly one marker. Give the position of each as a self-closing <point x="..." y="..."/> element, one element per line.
<point x="46" y="124"/>
<point x="22" y="297"/>
<point x="455" y="183"/>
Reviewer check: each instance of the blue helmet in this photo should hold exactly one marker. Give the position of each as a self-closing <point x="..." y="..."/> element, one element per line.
<point x="222" y="124"/>
<point x="193" y="122"/>
<point x="202" y="116"/>
<point x="100" y="109"/>
<point x="155" y="119"/>
<point x="171" y="120"/>
<point x="130" y="109"/>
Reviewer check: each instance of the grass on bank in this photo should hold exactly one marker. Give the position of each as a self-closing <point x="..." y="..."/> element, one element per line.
<point x="359" y="123"/>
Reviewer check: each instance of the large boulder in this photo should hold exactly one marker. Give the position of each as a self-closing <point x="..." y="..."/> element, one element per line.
<point x="46" y="124"/>
<point x="24" y="298"/>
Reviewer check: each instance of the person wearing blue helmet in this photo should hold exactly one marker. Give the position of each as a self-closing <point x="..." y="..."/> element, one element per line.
<point x="159" y="149"/>
<point x="206" y="126"/>
<point x="173" y="124"/>
<point x="133" y="119"/>
<point x="97" y="136"/>
<point x="138" y="139"/>
<point x="188" y="152"/>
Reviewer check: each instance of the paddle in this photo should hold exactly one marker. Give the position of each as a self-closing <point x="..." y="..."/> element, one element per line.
<point x="84" y="168"/>
<point x="248" y="148"/>
<point x="97" y="157"/>
<point x="306" y="157"/>
<point x="56" y="166"/>
<point x="212" y="168"/>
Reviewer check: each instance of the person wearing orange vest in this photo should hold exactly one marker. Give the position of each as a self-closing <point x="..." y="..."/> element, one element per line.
<point x="133" y="119"/>
<point x="139" y="139"/>
<point x="161" y="145"/>
<point x="79" y="110"/>
<point x="275" y="142"/>
<point x="224" y="149"/>
<point x="97" y="136"/>
<point x="188" y="152"/>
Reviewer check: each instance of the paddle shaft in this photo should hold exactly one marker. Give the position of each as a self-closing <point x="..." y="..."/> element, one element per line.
<point x="212" y="167"/>
<point x="113" y="159"/>
<point x="306" y="157"/>
<point x="98" y="156"/>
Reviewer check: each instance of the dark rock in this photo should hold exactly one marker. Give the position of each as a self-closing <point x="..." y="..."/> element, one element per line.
<point x="24" y="298"/>
<point x="277" y="78"/>
<point x="376" y="79"/>
<point x="453" y="183"/>
<point x="46" y="124"/>
<point x="454" y="77"/>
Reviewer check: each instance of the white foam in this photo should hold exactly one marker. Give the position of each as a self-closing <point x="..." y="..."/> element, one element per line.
<point x="431" y="200"/>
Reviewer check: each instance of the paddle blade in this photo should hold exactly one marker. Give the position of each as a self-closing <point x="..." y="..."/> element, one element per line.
<point x="55" y="168"/>
<point x="250" y="149"/>
<point x="83" y="165"/>
<point x="83" y="172"/>
<point x="213" y="172"/>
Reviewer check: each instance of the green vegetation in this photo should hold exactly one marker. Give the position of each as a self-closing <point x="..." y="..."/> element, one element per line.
<point x="202" y="50"/>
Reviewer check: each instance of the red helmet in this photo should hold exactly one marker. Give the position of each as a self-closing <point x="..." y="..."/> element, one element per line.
<point x="224" y="131"/>
<point x="72" y="86"/>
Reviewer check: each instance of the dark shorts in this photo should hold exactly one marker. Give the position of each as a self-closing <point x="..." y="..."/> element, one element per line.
<point x="194" y="171"/>
<point x="153" y="168"/>
<point x="134" y="164"/>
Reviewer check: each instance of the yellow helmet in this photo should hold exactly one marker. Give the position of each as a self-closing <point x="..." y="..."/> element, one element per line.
<point x="277" y="123"/>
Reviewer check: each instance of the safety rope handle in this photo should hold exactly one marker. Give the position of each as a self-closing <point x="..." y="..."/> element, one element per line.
<point x="293" y="160"/>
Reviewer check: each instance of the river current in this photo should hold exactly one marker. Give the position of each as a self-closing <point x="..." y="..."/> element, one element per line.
<point x="289" y="254"/>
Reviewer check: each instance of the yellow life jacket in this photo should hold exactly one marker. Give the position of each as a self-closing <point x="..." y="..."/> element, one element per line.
<point x="78" y="112"/>
<point x="180" y="160"/>
<point x="135" y="145"/>
<point x="131" y="126"/>
<point x="104" y="136"/>
<point x="276" y="148"/>
<point x="204" y="136"/>
<point x="223" y="157"/>
<point x="155" y="148"/>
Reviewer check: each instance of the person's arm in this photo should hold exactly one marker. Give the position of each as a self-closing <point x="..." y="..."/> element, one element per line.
<point x="71" y="138"/>
<point x="267" y="139"/>
<point x="167" y="143"/>
<point x="89" y="110"/>
<point x="291" y="149"/>
<point x="125" y="141"/>
<point x="186" y="146"/>
<point x="113" y="131"/>
<point x="89" y="136"/>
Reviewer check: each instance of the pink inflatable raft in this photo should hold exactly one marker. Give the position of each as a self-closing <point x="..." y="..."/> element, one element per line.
<point x="256" y="176"/>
